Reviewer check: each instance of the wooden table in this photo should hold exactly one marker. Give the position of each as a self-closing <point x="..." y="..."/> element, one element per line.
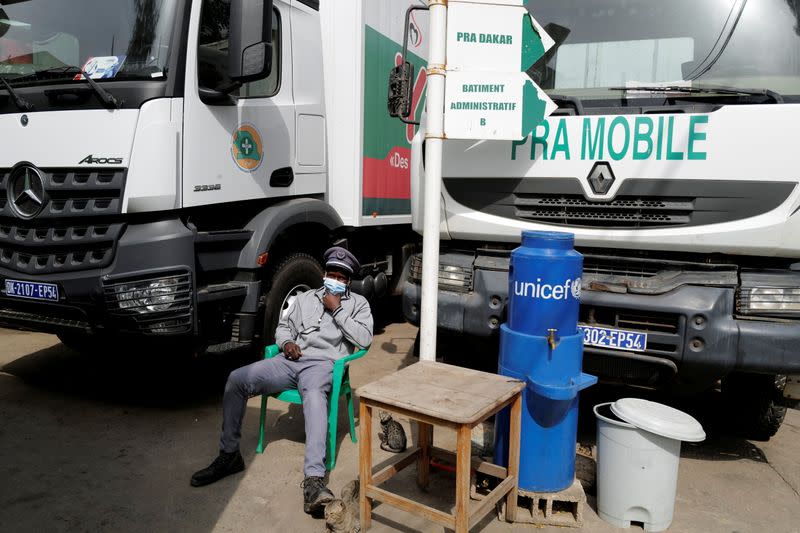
<point x="442" y="395"/>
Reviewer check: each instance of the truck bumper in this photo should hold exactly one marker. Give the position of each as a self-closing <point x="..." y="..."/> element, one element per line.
<point x="151" y="253"/>
<point x="694" y="338"/>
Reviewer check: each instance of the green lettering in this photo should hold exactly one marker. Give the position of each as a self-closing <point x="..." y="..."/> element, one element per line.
<point x="540" y="140"/>
<point x="672" y="156"/>
<point x="514" y="145"/>
<point x="594" y="149"/>
<point x="640" y="136"/>
<point x="660" y="138"/>
<point x="696" y="136"/>
<point x="619" y="121"/>
<point x="562" y="141"/>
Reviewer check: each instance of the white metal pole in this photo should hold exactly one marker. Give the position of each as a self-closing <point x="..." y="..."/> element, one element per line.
<point x="434" y="137"/>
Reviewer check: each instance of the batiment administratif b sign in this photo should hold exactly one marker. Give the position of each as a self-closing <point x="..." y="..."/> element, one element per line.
<point x="488" y="94"/>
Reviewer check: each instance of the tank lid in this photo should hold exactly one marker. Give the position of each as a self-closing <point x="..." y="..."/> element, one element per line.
<point x="659" y="419"/>
<point x="548" y="239"/>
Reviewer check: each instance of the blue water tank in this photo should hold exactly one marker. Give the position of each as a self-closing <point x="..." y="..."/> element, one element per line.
<point x="544" y="284"/>
<point x="541" y="345"/>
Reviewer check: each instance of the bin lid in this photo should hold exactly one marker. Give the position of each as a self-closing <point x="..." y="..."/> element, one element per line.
<point x="659" y="419"/>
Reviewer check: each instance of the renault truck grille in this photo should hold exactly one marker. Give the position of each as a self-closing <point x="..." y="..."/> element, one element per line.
<point x="623" y="211"/>
<point x="77" y="227"/>
<point x="638" y="203"/>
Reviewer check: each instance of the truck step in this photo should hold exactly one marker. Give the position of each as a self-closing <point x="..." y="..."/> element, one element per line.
<point x="225" y="347"/>
<point x="222" y="291"/>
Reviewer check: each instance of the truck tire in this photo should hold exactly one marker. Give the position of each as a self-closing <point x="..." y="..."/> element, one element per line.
<point x="294" y="275"/>
<point x="753" y="403"/>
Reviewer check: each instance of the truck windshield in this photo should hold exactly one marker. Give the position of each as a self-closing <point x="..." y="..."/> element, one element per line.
<point x="605" y="45"/>
<point x="120" y="39"/>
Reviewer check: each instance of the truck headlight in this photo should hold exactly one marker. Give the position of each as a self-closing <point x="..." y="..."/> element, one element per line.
<point x="771" y="295"/>
<point x="452" y="277"/>
<point x="147" y="297"/>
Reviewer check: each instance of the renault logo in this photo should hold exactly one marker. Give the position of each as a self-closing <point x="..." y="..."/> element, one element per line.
<point x="26" y="191"/>
<point x="601" y="178"/>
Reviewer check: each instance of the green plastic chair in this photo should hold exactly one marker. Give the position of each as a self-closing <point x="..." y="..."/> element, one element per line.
<point x="340" y="386"/>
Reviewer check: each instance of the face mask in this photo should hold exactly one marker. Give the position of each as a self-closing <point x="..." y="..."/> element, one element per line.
<point x="334" y="286"/>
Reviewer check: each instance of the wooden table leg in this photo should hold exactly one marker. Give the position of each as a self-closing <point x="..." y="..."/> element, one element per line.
<point x="365" y="462"/>
<point x="425" y="438"/>
<point x="463" y="464"/>
<point x="515" y="428"/>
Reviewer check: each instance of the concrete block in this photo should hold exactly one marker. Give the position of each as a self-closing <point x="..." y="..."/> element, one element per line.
<point x="563" y="509"/>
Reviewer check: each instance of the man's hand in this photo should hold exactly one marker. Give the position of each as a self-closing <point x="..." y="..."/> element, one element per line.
<point x="291" y="351"/>
<point x="332" y="302"/>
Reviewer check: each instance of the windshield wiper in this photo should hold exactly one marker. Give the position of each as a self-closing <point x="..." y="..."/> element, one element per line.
<point x="19" y="101"/>
<point x="774" y="96"/>
<point x="106" y="97"/>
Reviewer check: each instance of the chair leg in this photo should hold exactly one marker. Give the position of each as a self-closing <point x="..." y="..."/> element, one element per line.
<point x="260" y="447"/>
<point x="350" y="414"/>
<point x="333" y="422"/>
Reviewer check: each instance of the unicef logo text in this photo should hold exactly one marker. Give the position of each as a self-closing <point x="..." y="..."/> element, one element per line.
<point x="546" y="291"/>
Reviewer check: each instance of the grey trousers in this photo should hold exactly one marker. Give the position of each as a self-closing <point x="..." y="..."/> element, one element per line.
<point x="270" y="376"/>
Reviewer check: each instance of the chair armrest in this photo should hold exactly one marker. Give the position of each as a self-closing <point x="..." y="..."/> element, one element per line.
<point x="340" y="365"/>
<point x="271" y="351"/>
<point x="352" y="357"/>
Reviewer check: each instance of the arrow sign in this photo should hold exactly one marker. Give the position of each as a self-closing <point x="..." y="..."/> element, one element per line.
<point x="488" y="94"/>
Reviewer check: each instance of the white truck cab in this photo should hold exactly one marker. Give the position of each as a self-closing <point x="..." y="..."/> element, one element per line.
<point x="672" y="159"/>
<point x="175" y="168"/>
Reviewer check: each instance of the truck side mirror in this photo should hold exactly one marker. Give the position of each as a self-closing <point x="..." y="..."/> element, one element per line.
<point x="400" y="87"/>
<point x="250" y="38"/>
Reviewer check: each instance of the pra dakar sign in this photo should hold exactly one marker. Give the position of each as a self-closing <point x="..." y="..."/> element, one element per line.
<point x="488" y="95"/>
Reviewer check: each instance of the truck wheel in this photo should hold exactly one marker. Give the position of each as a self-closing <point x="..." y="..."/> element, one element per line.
<point x="293" y="276"/>
<point x="753" y="402"/>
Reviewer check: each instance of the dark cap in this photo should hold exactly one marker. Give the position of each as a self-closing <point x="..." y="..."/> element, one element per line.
<point x="340" y="259"/>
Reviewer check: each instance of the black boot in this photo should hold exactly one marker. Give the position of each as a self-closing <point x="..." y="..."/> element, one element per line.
<point x="315" y="494"/>
<point x="224" y="465"/>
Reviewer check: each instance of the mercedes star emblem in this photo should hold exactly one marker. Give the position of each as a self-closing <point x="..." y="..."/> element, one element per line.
<point x="26" y="191"/>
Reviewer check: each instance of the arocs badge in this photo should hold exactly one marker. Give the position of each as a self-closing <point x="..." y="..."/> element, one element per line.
<point x="247" y="148"/>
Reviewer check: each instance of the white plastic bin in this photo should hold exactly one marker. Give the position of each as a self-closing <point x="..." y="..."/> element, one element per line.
<point x="638" y="451"/>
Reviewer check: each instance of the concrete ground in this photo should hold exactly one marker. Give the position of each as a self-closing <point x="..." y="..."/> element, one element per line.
<point x="108" y="443"/>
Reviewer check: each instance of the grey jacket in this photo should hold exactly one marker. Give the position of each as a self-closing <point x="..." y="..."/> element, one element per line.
<point x="324" y="335"/>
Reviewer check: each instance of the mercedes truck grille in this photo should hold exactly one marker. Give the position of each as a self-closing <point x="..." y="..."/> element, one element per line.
<point x="57" y="247"/>
<point x="74" y="227"/>
<point x="72" y="193"/>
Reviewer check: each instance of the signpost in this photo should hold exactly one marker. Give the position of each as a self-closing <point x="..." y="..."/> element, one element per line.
<point x="488" y="94"/>
<point x="489" y="46"/>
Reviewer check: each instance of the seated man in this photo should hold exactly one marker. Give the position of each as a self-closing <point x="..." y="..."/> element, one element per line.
<point x="322" y="326"/>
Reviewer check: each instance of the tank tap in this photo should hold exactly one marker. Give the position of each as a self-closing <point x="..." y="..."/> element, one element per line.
<point x="551" y="338"/>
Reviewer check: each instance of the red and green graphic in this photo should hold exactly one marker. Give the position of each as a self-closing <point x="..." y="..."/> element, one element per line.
<point x="387" y="141"/>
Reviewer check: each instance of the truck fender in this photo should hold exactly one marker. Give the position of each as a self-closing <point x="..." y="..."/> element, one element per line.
<point x="272" y="221"/>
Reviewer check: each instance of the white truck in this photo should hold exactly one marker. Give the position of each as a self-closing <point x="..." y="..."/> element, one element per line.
<point x="673" y="159"/>
<point x="175" y="168"/>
